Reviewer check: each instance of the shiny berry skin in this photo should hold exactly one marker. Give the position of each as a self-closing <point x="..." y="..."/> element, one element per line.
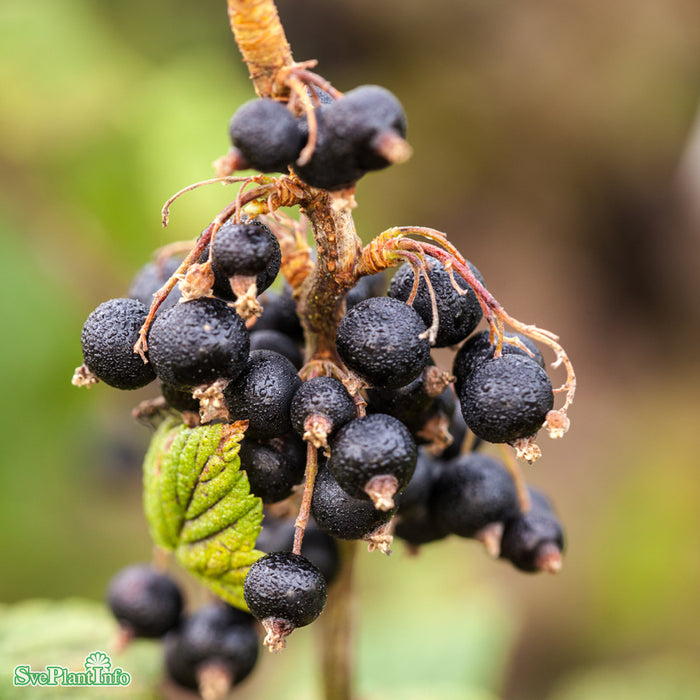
<point x="506" y="398"/>
<point x="380" y="340"/>
<point x="458" y="315"/>
<point x="197" y="342"/>
<point x="262" y="394"/>
<point x="245" y="249"/>
<point x="214" y="634"/>
<point x="372" y="446"/>
<point x="341" y="515"/>
<point x="108" y="338"/>
<point x="478" y="348"/>
<point x="285" y="586"/>
<point x="267" y="134"/>
<point x="471" y="492"/>
<point x="273" y="466"/>
<point x="150" y="278"/>
<point x="145" y="602"/>
<point x="324" y="397"/>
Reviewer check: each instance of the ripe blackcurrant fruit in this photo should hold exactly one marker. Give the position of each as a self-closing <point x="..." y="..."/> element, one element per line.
<point x="277" y="535"/>
<point x="279" y="342"/>
<point x="478" y="348"/>
<point x="280" y="314"/>
<point x="144" y="602"/>
<point x="341" y="515"/>
<point x="373" y="457"/>
<point x="273" y="466"/>
<point x="215" y="647"/>
<point x="366" y="287"/>
<point x="179" y="399"/>
<point x="267" y="134"/>
<point x="382" y="340"/>
<point x="150" y="278"/>
<point x="319" y="408"/>
<point x="108" y="338"/>
<point x="245" y="249"/>
<point x="472" y="492"/>
<point x="263" y="393"/>
<point x="284" y="591"/>
<point x="197" y="342"/>
<point x="534" y="541"/>
<point x="458" y="314"/>
<point x="506" y="398"/>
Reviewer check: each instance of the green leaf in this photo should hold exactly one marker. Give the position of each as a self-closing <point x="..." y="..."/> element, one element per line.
<point x="198" y="504"/>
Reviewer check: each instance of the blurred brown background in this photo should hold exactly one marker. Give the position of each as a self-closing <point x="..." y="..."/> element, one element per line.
<point x="552" y="144"/>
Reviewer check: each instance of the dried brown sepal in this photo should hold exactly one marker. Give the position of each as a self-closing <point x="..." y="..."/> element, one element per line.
<point x="490" y="536"/>
<point x="246" y="291"/>
<point x="391" y="146"/>
<point x="197" y="282"/>
<point x="549" y="558"/>
<point x="277" y="631"/>
<point x="317" y="428"/>
<point x="526" y="449"/>
<point x="228" y="164"/>
<point x="381" y="538"/>
<point x="83" y="377"/>
<point x="122" y="639"/>
<point x="436" y="433"/>
<point x="435" y="380"/>
<point x="381" y="489"/>
<point x="343" y="200"/>
<point x="212" y="404"/>
<point x="557" y="423"/>
<point x="149" y="409"/>
<point x="214" y="680"/>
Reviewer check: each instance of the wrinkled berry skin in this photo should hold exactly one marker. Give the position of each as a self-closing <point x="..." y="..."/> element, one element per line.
<point x="525" y="533"/>
<point x="341" y="515"/>
<point x="324" y="396"/>
<point x="216" y="634"/>
<point x="478" y="348"/>
<point x="245" y="249"/>
<point x="267" y="134"/>
<point x="273" y="466"/>
<point x="506" y="398"/>
<point x="458" y="315"/>
<point x="374" y="445"/>
<point x="147" y="603"/>
<point x="197" y="342"/>
<point x="108" y="339"/>
<point x="471" y="492"/>
<point x="379" y="339"/>
<point x="285" y="586"/>
<point x="150" y="278"/>
<point x="263" y="393"/>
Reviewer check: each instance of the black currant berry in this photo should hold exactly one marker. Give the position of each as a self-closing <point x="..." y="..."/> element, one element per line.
<point x="373" y="457"/>
<point x="284" y="591"/>
<point x="151" y="277"/>
<point x="267" y="134"/>
<point x="217" y="646"/>
<point x="506" y="398"/>
<point x="479" y="348"/>
<point x="458" y="315"/>
<point x="280" y="314"/>
<point x="534" y="541"/>
<point x="320" y="406"/>
<point x="197" y="342"/>
<point x="382" y="340"/>
<point x="341" y="515"/>
<point x="179" y="399"/>
<point x="245" y="249"/>
<point x="262" y="394"/>
<point x="472" y="492"/>
<point x="279" y="342"/>
<point x="277" y="535"/>
<point x="273" y="466"/>
<point x="368" y="286"/>
<point x="144" y="602"/>
<point x="108" y="338"/>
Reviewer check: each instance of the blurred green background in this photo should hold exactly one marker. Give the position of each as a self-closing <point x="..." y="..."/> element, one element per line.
<point x="553" y="145"/>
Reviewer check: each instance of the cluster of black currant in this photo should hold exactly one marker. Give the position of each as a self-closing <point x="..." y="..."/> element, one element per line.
<point x="331" y="380"/>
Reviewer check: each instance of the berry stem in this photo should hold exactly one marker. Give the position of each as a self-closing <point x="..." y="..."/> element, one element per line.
<point x="305" y="508"/>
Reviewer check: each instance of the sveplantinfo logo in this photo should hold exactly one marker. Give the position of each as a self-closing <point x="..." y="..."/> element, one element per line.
<point x="98" y="672"/>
